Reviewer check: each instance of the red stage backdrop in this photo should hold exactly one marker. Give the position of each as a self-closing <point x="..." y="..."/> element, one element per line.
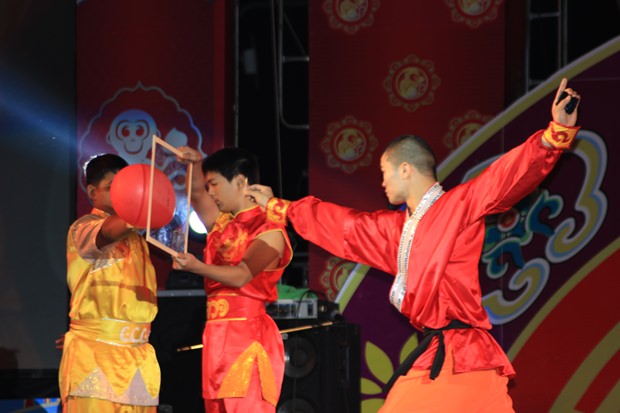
<point x="380" y="69"/>
<point x="149" y="67"/>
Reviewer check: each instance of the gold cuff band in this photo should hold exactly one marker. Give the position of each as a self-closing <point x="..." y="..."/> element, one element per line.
<point x="560" y="136"/>
<point x="276" y="210"/>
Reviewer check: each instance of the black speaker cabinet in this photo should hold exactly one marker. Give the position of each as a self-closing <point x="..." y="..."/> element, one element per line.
<point x="322" y="370"/>
<point x="179" y="323"/>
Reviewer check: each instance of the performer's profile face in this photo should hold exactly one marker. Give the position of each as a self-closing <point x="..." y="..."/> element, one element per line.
<point x="392" y="182"/>
<point x="99" y="194"/>
<point x="226" y="194"/>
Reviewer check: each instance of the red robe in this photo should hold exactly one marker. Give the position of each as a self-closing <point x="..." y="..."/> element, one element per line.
<point x="239" y="335"/>
<point x="442" y="278"/>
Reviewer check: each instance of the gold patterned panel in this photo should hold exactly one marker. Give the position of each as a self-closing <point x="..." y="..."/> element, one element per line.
<point x="237" y="381"/>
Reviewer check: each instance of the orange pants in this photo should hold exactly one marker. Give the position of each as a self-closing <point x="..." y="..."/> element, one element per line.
<point x="240" y="404"/>
<point x="91" y="405"/>
<point x="473" y="392"/>
<point x="253" y="401"/>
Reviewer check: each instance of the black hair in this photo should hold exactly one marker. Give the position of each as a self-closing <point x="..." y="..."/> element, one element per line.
<point x="414" y="150"/>
<point x="98" y="166"/>
<point x="230" y="162"/>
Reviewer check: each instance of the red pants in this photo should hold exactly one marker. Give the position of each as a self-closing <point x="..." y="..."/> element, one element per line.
<point x="253" y="402"/>
<point x="473" y="392"/>
<point x="238" y="405"/>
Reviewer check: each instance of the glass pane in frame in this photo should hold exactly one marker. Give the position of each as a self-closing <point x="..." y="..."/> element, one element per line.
<point x="173" y="237"/>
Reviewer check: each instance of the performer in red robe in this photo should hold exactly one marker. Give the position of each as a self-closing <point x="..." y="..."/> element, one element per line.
<point x="245" y="256"/>
<point x="433" y="248"/>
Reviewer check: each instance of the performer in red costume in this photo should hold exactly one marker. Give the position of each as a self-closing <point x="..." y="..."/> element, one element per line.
<point x="245" y="256"/>
<point x="433" y="248"/>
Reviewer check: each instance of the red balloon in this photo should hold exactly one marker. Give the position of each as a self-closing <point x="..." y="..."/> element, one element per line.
<point x="130" y="196"/>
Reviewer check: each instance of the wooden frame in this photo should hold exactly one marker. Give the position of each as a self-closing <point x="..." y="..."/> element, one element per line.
<point x="158" y="141"/>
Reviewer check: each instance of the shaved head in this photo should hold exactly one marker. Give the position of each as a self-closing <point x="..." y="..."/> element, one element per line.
<point x="413" y="150"/>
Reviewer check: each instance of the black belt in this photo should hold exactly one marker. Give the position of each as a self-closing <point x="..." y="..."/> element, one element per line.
<point x="440" y="355"/>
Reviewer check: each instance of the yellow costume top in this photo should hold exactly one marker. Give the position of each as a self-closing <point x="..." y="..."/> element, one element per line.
<point x="106" y="354"/>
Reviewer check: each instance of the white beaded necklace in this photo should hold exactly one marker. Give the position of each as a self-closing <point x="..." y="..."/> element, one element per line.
<point x="399" y="287"/>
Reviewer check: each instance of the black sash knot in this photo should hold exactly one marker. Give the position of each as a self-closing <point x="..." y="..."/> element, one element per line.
<point x="439" y="358"/>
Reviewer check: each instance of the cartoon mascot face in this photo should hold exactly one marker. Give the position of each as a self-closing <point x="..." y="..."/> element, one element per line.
<point x="130" y="133"/>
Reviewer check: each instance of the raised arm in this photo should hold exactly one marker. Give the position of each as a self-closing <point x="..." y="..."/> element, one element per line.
<point x="353" y="235"/>
<point x="559" y="111"/>
<point x="518" y="172"/>
<point x="113" y="229"/>
<point x="561" y="132"/>
<point x="201" y="201"/>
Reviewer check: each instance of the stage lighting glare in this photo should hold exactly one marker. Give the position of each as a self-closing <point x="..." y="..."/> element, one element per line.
<point x="196" y="224"/>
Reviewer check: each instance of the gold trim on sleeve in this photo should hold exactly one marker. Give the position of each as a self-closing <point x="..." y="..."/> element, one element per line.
<point x="276" y="210"/>
<point x="560" y="136"/>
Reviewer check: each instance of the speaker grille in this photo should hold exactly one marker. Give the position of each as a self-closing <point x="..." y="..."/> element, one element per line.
<point x="322" y="371"/>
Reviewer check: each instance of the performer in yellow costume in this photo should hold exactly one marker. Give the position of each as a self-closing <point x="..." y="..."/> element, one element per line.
<point x="245" y="256"/>
<point x="107" y="363"/>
